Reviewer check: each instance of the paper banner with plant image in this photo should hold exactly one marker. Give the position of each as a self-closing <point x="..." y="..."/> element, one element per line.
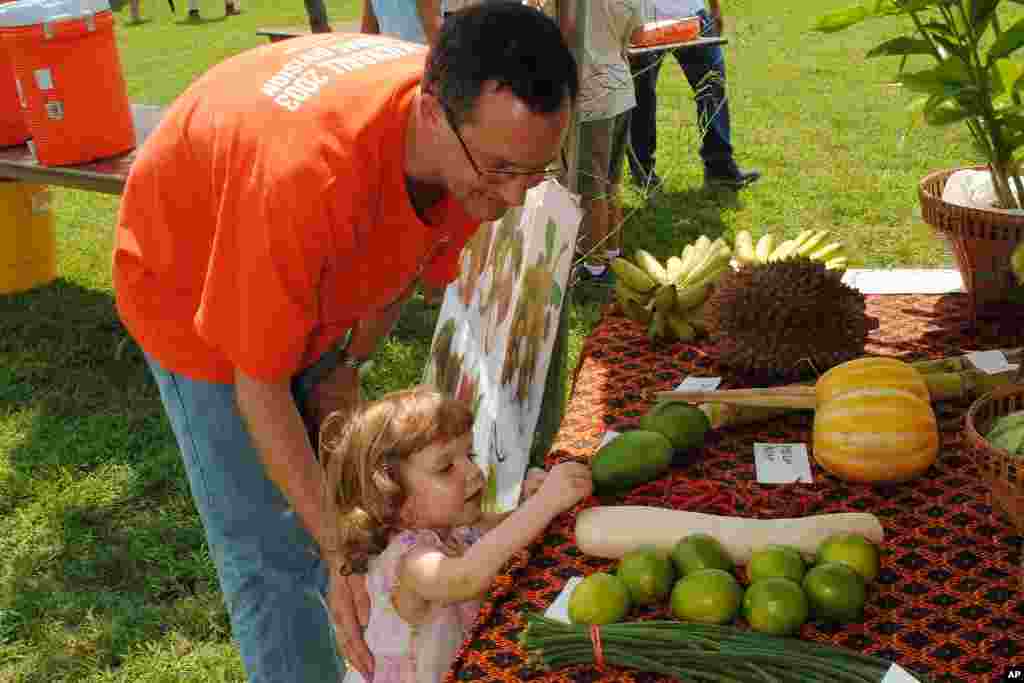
<point x="497" y="326"/>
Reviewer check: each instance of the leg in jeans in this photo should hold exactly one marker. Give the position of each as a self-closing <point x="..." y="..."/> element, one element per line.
<point x="712" y="103"/>
<point x="643" y="129"/>
<point x="270" y="572"/>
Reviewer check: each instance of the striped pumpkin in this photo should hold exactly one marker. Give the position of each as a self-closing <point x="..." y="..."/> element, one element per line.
<point x="874" y="422"/>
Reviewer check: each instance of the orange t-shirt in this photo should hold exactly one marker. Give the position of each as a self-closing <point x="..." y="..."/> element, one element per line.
<point x="268" y="211"/>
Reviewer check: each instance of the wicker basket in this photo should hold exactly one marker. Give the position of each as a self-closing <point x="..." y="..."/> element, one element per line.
<point x="1003" y="472"/>
<point x="982" y="240"/>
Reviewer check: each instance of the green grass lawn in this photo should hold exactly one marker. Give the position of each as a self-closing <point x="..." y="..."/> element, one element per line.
<point x="103" y="571"/>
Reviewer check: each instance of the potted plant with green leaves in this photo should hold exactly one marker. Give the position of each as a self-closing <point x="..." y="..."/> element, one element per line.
<point x="957" y="58"/>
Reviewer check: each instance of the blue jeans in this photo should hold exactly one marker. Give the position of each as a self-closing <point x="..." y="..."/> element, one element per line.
<point x="712" y="105"/>
<point x="273" y="580"/>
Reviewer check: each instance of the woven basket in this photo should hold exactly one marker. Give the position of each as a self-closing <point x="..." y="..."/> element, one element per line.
<point x="1003" y="472"/>
<point x="982" y="240"/>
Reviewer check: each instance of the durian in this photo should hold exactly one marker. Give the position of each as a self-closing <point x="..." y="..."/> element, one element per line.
<point x="786" y="320"/>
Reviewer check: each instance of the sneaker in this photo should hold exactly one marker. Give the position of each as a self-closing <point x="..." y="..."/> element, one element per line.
<point x="230" y="9"/>
<point x="193" y="15"/>
<point x="736" y="180"/>
<point x="605" y="278"/>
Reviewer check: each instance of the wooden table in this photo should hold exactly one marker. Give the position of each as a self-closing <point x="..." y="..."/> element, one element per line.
<point x="948" y="599"/>
<point x="106" y="175"/>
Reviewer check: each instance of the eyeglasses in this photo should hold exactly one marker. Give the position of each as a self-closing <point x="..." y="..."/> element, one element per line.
<point x="500" y="175"/>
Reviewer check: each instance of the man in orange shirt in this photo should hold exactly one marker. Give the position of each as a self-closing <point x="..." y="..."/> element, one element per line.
<point x="289" y="202"/>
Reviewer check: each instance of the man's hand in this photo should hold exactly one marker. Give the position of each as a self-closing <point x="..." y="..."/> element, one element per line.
<point x="349" y="606"/>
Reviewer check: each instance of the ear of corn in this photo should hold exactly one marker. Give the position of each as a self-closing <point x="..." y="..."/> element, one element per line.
<point x="632" y="276"/>
<point x="744" y="247"/>
<point x="651" y="266"/>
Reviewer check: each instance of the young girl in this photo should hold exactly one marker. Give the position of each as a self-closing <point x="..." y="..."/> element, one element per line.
<point x="401" y="474"/>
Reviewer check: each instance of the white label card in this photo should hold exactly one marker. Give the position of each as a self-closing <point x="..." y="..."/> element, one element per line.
<point x="782" y="463"/>
<point x="609" y="436"/>
<point x="897" y="674"/>
<point x="559" y="609"/>
<point x="699" y="384"/>
<point x="991" y="362"/>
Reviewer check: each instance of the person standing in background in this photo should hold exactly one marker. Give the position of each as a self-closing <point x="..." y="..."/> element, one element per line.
<point x="606" y="98"/>
<point x="417" y="21"/>
<point x="716" y="151"/>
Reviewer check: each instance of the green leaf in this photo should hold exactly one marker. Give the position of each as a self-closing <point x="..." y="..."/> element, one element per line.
<point x="556" y="295"/>
<point x="841" y="19"/>
<point x="549" y="238"/>
<point x="1005" y="75"/>
<point x="943" y="111"/>
<point x="904" y="45"/>
<point x="1007" y="42"/>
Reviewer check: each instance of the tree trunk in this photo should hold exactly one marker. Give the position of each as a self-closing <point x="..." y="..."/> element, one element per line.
<point x="317" y="16"/>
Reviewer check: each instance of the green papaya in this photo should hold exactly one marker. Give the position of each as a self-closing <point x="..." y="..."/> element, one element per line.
<point x="632" y="458"/>
<point x="684" y="425"/>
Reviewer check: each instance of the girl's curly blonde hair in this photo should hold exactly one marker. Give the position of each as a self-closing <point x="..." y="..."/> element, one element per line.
<point x="361" y="453"/>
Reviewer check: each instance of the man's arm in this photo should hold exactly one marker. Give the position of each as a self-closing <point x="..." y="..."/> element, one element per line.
<point x="370" y="24"/>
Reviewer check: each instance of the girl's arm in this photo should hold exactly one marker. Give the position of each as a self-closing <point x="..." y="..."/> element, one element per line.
<point x="430" y="17"/>
<point x="434" y="576"/>
<point x="531" y="484"/>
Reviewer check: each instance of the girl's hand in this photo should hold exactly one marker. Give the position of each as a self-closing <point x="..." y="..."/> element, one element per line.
<point x="535" y="477"/>
<point x="566" y="484"/>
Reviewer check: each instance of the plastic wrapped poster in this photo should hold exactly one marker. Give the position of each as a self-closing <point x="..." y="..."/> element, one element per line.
<point x="497" y="326"/>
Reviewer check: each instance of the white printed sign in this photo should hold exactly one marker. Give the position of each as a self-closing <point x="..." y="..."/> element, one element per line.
<point x="897" y="674"/>
<point x="782" y="463"/>
<point x="991" y="362"/>
<point x="559" y="609"/>
<point x="699" y="384"/>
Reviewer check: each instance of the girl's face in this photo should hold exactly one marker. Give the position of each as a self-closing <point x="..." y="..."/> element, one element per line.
<point x="444" y="486"/>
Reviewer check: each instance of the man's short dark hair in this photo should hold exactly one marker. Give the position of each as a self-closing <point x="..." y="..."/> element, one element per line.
<point x="518" y="47"/>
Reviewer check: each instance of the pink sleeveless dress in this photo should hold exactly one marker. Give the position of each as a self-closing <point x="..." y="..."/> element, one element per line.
<point x="413" y="653"/>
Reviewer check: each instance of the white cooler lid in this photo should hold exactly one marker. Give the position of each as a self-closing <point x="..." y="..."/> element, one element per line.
<point x="33" y="12"/>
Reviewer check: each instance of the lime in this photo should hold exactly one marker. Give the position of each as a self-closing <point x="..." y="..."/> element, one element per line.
<point x="648" y="575"/>
<point x="776" y="560"/>
<point x="835" y="591"/>
<point x="775" y="605"/>
<point x="683" y="424"/>
<point x="851" y="549"/>
<point x="599" y="599"/>
<point x="710" y="596"/>
<point x="700" y="551"/>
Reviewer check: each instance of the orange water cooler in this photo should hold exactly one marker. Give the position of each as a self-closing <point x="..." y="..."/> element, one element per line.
<point x="69" y="78"/>
<point x="13" y="127"/>
<point x="28" y="243"/>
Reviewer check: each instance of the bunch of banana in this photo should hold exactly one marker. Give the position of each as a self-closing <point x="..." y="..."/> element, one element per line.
<point x="668" y="298"/>
<point x="809" y="243"/>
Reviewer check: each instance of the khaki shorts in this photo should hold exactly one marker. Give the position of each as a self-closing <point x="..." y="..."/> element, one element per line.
<point x="601" y="153"/>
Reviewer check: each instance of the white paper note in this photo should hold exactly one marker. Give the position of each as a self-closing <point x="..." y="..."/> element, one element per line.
<point x="559" y="609"/>
<point x="699" y="384"/>
<point x="897" y="674"/>
<point x="609" y="435"/>
<point x="991" y="362"/>
<point x="782" y="463"/>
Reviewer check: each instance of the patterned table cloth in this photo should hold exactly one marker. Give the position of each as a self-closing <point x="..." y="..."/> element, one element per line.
<point x="947" y="601"/>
